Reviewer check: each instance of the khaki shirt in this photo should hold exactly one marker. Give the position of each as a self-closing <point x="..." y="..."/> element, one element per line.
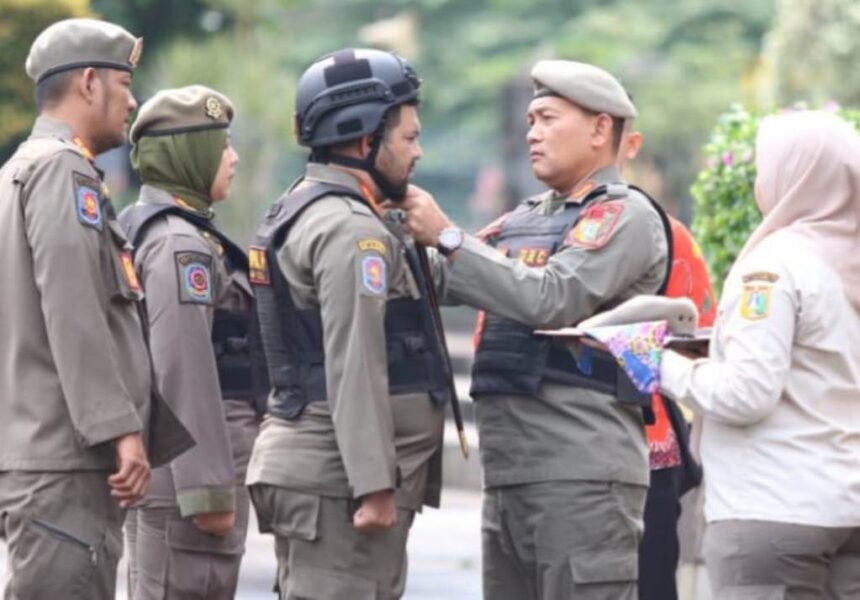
<point x="74" y="369"/>
<point x="362" y="440"/>
<point x="186" y="277"/>
<point x="566" y="432"/>
<point x="780" y="436"/>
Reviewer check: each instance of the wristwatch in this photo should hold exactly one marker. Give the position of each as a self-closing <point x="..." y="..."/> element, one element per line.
<point x="450" y="239"/>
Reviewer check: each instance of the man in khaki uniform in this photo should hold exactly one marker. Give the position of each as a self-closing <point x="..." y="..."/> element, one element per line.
<point x="351" y="447"/>
<point x="187" y="536"/>
<point x="562" y="439"/>
<point x="75" y="377"/>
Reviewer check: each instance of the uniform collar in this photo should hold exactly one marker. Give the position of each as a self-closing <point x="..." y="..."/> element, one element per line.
<point x="48" y="127"/>
<point x="150" y="194"/>
<point x="327" y="173"/>
<point x="604" y="176"/>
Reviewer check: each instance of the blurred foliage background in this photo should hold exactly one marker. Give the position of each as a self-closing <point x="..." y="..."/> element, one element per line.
<point x="685" y="63"/>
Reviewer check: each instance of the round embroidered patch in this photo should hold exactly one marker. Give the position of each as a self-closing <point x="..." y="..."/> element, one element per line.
<point x="197" y="282"/>
<point x="89" y="210"/>
<point x="373" y="274"/>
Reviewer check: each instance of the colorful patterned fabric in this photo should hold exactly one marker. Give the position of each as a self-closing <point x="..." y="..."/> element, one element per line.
<point x="638" y="348"/>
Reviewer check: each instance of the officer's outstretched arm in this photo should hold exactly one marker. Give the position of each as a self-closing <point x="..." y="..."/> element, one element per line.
<point x="598" y="262"/>
<point x="746" y="385"/>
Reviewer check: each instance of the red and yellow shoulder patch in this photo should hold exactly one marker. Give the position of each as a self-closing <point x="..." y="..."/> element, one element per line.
<point x="596" y="225"/>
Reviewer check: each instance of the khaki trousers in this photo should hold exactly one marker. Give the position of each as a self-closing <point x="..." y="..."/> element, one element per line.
<point x="763" y="560"/>
<point x="320" y="554"/>
<point x="562" y="539"/>
<point x="64" y="535"/>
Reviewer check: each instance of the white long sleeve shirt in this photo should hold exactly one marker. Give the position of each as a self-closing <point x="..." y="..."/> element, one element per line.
<point x="780" y="393"/>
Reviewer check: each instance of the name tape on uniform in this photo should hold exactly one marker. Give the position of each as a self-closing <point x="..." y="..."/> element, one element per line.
<point x="258" y="266"/>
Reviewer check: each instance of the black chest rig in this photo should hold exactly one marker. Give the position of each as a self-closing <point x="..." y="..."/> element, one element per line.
<point x="236" y="336"/>
<point x="293" y="338"/>
<point x="510" y="358"/>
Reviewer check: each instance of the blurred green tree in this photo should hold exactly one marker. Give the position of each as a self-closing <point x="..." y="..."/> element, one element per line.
<point x="20" y="23"/>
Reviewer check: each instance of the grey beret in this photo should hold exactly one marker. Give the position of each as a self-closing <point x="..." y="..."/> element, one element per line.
<point x="76" y="43"/>
<point x="585" y="85"/>
<point x="181" y="110"/>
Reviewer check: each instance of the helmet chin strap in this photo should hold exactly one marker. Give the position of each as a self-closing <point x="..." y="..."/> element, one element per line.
<point x="366" y="164"/>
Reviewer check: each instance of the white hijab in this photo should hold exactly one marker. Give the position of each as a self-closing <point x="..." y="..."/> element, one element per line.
<point x="808" y="181"/>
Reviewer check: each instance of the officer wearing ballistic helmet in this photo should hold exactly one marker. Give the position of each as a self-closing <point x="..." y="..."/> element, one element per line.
<point x="76" y="403"/>
<point x="351" y="446"/>
<point x="562" y="438"/>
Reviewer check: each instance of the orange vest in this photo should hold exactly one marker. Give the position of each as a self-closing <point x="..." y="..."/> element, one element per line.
<point x="688" y="278"/>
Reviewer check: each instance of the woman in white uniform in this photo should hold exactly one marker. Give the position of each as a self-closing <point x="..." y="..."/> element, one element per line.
<point x="780" y="393"/>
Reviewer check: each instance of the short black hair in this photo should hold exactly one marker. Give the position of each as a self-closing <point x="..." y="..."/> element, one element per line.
<point x="52" y="89"/>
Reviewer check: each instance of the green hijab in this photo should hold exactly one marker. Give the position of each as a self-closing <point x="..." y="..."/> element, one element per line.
<point x="183" y="164"/>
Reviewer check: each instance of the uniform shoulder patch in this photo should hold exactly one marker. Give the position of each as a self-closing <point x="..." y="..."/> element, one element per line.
<point x="374" y="278"/>
<point x="765" y="276"/>
<point x="372" y="244"/>
<point x="88" y="204"/>
<point x="755" y="301"/>
<point x="194" y="270"/>
<point x="129" y="271"/>
<point x="596" y="225"/>
<point x="258" y="266"/>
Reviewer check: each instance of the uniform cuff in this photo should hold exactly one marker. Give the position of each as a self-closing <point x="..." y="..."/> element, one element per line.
<point x="369" y="483"/>
<point x="674" y="373"/>
<point x="205" y="500"/>
<point x="110" y="429"/>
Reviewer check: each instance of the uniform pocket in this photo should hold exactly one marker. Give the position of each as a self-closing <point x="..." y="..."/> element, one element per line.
<point x="60" y="557"/>
<point x="183" y="534"/>
<point x="312" y="583"/>
<point x="295" y="514"/>
<point x="603" y="567"/>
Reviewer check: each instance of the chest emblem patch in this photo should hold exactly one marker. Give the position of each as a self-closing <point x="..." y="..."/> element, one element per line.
<point x="755" y="301"/>
<point x="534" y="257"/>
<point x="258" y="266"/>
<point x="194" y="270"/>
<point x="596" y="226"/>
<point x="373" y="276"/>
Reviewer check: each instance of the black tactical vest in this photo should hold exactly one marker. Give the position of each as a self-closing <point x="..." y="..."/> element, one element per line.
<point x="510" y="358"/>
<point x="293" y="338"/>
<point x="236" y="336"/>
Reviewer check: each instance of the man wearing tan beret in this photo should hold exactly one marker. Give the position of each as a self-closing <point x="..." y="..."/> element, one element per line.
<point x="188" y="535"/>
<point x="562" y="440"/>
<point x="76" y="408"/>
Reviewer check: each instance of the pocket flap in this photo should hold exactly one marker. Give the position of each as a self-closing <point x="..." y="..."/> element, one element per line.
<point x="312" y="582"/>
<point x="295" y="514"/>
<point x="183" y="534"/>
<point x="603" y="567"/>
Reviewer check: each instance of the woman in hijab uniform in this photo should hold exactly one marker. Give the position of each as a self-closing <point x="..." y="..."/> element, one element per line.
<point x="780" y="393"/>
<point x="188" y="535"/>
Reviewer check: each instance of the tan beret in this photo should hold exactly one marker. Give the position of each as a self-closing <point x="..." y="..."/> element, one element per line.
<point x="181" y="110"/>
<point x="76" y="43"/>
<point x="585" y="85"/>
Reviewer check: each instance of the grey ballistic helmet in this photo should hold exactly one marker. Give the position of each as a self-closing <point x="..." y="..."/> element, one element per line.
<point x="345" y="95"/>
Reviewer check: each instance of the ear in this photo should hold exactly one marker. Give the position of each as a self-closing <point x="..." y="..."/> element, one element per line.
<point x="363" y="146"/>
<point x="87" y="84"/>
<point x="602" y="133"/>
<point x="633" y="145"/>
